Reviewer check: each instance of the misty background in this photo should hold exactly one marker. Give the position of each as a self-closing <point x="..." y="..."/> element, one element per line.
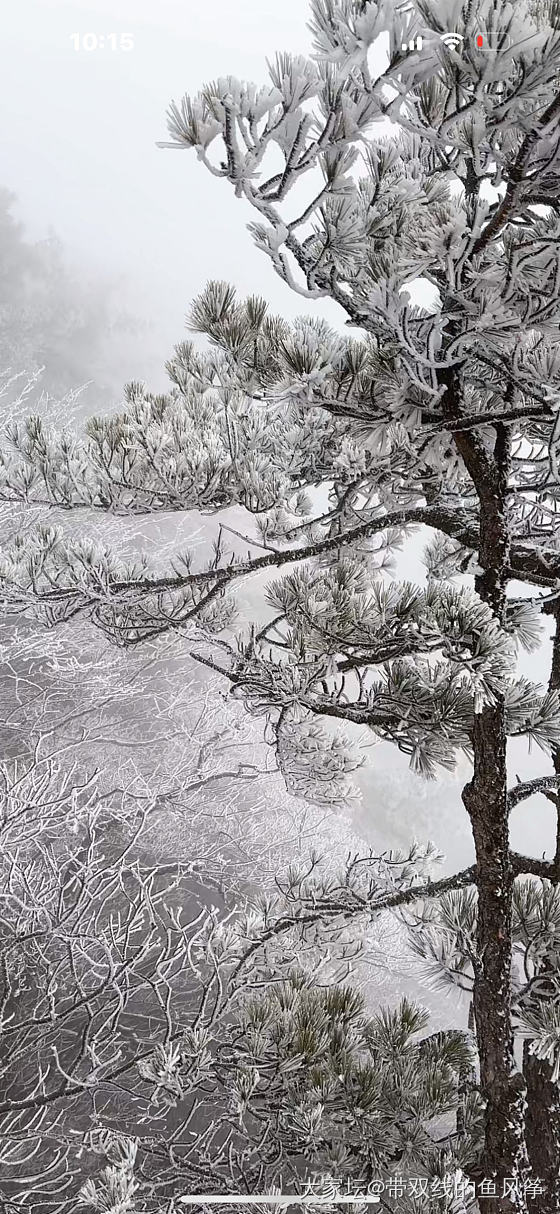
<point x="79" y="150"/>
<point x="116" y="237"/>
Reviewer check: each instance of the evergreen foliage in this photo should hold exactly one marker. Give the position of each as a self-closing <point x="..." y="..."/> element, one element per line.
<point x="441" y="411"/>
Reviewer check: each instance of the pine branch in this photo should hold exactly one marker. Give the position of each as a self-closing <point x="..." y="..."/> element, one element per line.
<point x="506" y="209"/>
<point x="275" y="558"/>
<point x="527" y="866"/>
<point x="372" y="905"/>
<point x="528" y="788"/>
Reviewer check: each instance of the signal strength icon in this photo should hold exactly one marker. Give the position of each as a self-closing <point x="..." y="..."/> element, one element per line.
<point x="451" y="40"/>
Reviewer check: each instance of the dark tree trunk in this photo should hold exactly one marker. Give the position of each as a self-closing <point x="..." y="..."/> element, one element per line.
<point x="486" y="801"/>
<point x="543" y="1094"/>
<point x="542" y="1132"/>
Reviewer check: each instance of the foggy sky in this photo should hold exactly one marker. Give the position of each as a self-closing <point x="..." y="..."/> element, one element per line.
<point x="79" y="148"/>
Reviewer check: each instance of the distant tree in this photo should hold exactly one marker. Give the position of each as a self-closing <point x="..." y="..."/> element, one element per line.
<point x="50" y="318"/>
<point x="441" y="413"/>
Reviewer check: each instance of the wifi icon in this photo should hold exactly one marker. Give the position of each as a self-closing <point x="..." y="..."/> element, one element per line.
<point x="452" y="40"/>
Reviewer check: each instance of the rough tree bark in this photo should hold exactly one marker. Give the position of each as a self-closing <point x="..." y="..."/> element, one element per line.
<point x="543" y="1094"/>
<point x="542" y="1122"/>
<point x="486" y="801"/>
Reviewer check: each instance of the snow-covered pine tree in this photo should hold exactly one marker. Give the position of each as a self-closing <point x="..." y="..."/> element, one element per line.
<point x="439" y="164"/>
